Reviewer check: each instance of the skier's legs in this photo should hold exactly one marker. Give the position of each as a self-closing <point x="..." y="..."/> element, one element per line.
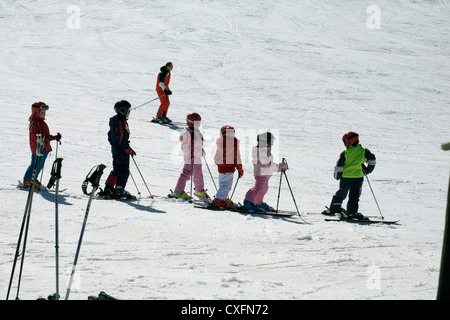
<point x="354" y="195"/>
<point x="29" y="172"/>
<point x="338" y="198"/>
<point x="184" y="177"/>
<point x="198" y="178"/>
<point x="225" y="185"/>
<point x="256" y="194"/>
<point x="164" y="106"/>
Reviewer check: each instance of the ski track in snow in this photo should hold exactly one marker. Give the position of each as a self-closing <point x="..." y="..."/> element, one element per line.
<point x="307" y="71"/>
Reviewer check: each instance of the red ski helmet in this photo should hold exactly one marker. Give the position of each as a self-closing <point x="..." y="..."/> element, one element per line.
<point x="350" y="138"/>
<point x="193" y="120"/>
<point x="227" y="130"/>
<point x="37" y="107"/>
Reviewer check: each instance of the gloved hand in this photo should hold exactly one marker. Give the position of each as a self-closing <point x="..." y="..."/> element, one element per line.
<point x="364" y="168"/>
<point x="168" y="92"/>
<point x="282" y="166"/>
<point x="130" y="151"/>
<point x="241" y="172"/>
<point x="58" y="137"/>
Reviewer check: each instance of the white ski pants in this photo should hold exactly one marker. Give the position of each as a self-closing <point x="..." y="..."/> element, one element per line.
<point x="225" y="185"/>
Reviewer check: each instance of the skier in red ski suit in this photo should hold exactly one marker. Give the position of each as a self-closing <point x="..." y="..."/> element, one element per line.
<point x="163" y="91"/>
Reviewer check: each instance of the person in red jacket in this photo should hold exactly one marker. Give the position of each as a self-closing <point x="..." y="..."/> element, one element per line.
<point x="163" y="91"/>
<point x="38" y="126"/>
<point x="228" y="159"/>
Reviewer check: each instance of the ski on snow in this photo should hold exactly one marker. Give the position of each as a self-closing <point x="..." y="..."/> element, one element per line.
<point x="170" y="124"/>
<point x="365" y="221"/>
<point x="241" y="209"/>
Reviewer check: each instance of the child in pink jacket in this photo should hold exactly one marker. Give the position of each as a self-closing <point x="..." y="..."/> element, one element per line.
<point x="263" y="169"/>
<point x="192" y="146"/>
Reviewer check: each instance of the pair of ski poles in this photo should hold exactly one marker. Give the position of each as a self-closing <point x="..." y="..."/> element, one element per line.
<point x="56" y="175"/>
<point x="279" y="187"/>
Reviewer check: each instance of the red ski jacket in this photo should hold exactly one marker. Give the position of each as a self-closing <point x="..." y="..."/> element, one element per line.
<point x="162" y="81"/>
<point x="227" y="156"/>
<point x="38" y="126"/>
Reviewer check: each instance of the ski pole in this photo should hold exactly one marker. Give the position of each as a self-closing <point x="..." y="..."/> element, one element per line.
<point x="235" y="185"/>
<point x="56" y="175"/>
<point x="26" y="218"/>
<point x="24" y="226"/>
<point x="279" y="190"/>
<point x="212" y="178"/>
<point x="147" y="102"/>
<point x="289" y="185"/>
<point x="192" y="174"/>
<point x="132" y="157"/>
<point x="373" y="194"/>
<point x="134" y="181"/>
<point x="94" y="179"/>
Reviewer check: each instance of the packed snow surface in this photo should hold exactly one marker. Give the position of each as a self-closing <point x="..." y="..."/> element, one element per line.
<point x="308" y="71"/>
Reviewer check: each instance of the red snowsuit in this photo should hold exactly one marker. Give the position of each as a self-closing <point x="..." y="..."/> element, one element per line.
<point x="162" y="84"/>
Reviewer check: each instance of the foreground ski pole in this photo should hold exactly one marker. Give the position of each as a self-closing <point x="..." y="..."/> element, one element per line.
<point x="55" y="176"/>
<point x="373" y="194"/>
<point x="132" y="157"/>
<point x="26" y="219"/>
<point x="212" y="178"/>
<point x="146" y="103"/>
<point x="94" y="178"/>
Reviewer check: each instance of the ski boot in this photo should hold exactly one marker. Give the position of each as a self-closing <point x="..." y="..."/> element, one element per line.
<point x="178" y="195"/>
<point x="121" y="193"/>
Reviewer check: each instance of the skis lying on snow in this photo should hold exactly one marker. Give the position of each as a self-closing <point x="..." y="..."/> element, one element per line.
<point x="241" y="209"/>
<point x="365" y="221"/>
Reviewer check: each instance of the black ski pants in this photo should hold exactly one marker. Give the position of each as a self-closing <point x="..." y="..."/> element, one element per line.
<point x="352" y="187"/>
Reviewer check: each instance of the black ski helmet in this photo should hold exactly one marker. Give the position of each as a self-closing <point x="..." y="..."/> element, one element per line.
<point x="122" y="107"/>
<point x="265" y="139"/>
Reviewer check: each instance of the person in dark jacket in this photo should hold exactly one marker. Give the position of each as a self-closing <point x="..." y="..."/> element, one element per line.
<point x="163" y="91"/>
<point x="38" y="126"/>
<point x="118" y="137"/>
<point x="350" y="170"/>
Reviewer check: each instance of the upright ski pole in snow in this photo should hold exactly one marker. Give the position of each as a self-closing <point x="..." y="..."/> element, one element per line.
<point x="289" y="185"/>
<point x="26" y="219"/>
<point x="55" y="176"/>
<point x="283" y="172"/>
<point x="94" y="178"/>
<point x="132" y="157"/>
<point x="373" y="194"/>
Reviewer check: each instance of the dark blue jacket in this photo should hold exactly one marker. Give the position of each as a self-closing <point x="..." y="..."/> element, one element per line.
<point x="118" y="134"/>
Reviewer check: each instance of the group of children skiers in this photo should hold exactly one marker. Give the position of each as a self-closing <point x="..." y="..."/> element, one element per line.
<point x="350" y="168"/>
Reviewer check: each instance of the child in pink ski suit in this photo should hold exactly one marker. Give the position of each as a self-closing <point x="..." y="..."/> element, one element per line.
<point x="263" y="169"/>
<point x="192" y="146"/>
